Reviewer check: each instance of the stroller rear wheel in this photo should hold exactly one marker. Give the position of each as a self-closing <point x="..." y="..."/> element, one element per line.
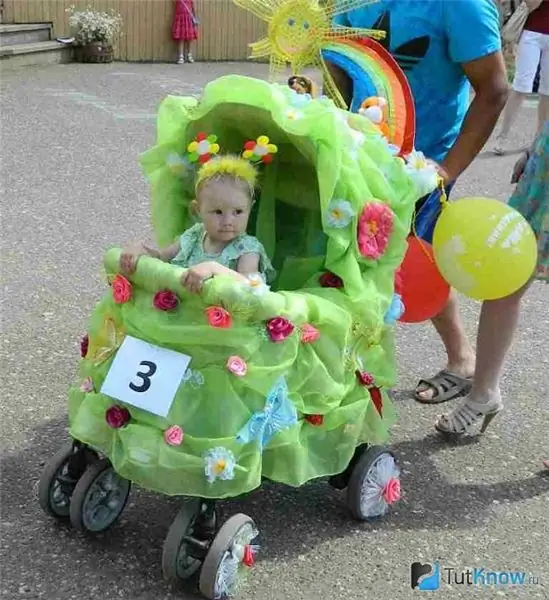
<point x="230" y="551"/>
<point x="60" y="476"/>
<point x="374" y="484"/>
<point x="188" y="539"/>
<point x="98" y="498"/>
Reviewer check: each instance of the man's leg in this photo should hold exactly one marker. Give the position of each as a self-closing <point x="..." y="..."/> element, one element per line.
<point x="461" y="356"/>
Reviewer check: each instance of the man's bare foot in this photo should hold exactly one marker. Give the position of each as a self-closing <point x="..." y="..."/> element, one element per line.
<point x="453" y="382"/>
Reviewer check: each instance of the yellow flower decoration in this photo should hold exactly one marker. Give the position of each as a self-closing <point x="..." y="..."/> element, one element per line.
<point x="260" y="150"/>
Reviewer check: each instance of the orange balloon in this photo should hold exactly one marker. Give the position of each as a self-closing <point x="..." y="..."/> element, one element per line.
<point x="423" y="290"/>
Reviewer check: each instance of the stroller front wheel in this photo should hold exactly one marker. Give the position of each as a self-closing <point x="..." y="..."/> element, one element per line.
<point x="98" y="498"/>
<point x="230" y="552"/>
<point x="374" y="484"/>
<point x="188" y="539"/>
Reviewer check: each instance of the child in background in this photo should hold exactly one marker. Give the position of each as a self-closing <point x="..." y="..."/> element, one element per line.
<point x="184" y="29"/>
<point x="218" y="245"/>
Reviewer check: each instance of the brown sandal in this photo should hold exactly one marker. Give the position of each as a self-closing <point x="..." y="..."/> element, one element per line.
<point x="447" y="386"/>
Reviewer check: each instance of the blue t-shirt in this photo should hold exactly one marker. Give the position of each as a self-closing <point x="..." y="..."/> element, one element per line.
<point x="430" y="39"/>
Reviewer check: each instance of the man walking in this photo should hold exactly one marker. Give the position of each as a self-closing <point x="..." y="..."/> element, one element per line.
<point x="445" y="47"/>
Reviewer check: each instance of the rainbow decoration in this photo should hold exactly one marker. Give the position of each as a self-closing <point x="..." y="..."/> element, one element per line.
<point x="301" y="33"/>
<point x="375" y="72"/>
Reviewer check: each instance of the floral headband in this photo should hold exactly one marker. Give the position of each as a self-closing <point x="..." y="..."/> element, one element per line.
<point x="204" y="150"/>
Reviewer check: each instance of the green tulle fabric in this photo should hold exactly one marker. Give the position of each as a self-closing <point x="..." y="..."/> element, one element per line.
<point x="320" y="159"/>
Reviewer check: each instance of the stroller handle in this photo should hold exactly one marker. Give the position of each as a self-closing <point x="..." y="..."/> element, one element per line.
<point x="151" y="274"/>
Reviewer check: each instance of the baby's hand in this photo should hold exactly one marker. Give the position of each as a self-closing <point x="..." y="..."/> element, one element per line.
<point x="194" y="277"/>
<point x="129" y="257"/>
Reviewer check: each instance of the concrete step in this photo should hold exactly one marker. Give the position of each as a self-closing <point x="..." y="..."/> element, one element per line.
<point x="24" y="33"/>
<point x="38" y="53"/>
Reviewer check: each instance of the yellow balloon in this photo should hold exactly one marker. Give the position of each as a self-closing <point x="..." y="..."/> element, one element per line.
<point x="483" y="248"/>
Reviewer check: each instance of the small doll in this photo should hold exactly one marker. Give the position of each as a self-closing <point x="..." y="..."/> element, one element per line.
<point x="302" y="85"/>
<point x="184" y="29"/>
<point x="375" y="109"/>
<point x="218" y="244"/>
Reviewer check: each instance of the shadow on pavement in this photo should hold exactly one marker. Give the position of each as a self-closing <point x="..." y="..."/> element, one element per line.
<point x="290" y="520"/>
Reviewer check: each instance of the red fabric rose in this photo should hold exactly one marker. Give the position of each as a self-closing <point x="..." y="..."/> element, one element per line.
<point x="117" y="416"/>
<point x="165" y="300"/>
<point x="377" y="399"/>
<point x="218" y="317"/>
<point x="315" y="420"/>
<point x="365" y="378"/>
<point x="249" y="556"/>
<point x="330" y="280"/>
<point x="121" y="289"/>
<point x="84" y="345"/>
<point x="279" y="329"/>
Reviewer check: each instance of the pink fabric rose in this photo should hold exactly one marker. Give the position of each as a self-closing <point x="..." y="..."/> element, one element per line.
<point x="364" y="377"/>
<point x="330" y="280"/>
<point x="309" y="334"/>
<point x="391" y="492"/>
<point x="173" y="436"/>
<point x="375" y="226"/>
<point x="117" y="416"/>
<point x="165" y="300"/>
<point x="237" y="366"/>
<point x="279" y="329"/>
<point x="218" y="317"/>
<point x="84" y="345"/>
<point x="121" y="289"/>
<point x="86" y="385"/>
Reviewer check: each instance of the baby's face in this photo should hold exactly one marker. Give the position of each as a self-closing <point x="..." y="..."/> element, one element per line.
<point x="224" y="209"/>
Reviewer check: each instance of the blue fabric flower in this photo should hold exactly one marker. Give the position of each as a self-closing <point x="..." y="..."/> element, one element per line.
<point x="395" y="310"/>
<point x="279" y="413"/>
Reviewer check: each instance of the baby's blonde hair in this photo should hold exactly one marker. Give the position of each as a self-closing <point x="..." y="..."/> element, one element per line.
<point x="227" y="168"/>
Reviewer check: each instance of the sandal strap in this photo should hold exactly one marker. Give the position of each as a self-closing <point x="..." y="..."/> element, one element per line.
<point x="468" y="413"/>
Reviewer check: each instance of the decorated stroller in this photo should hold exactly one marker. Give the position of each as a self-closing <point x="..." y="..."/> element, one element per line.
<point x="204" y="396"/>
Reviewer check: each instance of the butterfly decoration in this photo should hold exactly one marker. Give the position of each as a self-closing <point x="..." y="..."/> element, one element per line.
<point x="279" y="413"/>
<point x="106" y="341"/>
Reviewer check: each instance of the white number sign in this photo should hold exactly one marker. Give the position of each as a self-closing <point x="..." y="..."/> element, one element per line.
<point x="145" y="376"/>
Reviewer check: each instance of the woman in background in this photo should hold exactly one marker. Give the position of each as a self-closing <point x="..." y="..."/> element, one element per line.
<point x="532" y="53"/>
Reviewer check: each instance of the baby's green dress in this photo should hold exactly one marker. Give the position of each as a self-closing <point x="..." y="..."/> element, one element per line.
<point x="192" y="252"/>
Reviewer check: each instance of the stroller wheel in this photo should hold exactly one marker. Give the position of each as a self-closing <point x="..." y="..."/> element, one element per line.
<point x="98" y="498"/>
<point x="374" y="484"/>
<point x="230" y="553"/>
<point x="188" y="539"/>
<point x="60" y="476"/>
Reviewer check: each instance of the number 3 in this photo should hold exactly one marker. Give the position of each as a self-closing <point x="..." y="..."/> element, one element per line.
<point x="146" y="377"/>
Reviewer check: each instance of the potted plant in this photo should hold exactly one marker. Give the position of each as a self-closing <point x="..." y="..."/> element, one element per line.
<point x="94" y="33"/>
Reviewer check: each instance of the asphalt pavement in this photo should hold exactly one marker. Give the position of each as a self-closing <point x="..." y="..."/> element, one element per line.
<point x="71" y="188"/>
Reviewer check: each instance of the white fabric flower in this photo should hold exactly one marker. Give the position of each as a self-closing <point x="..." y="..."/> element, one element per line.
<point x="422" y="171"/>
<point x="257" y="284"/>
<point x="340" y="213"/>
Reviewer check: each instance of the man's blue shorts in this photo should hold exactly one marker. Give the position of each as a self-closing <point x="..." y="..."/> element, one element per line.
<point x="427" y="212"/>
